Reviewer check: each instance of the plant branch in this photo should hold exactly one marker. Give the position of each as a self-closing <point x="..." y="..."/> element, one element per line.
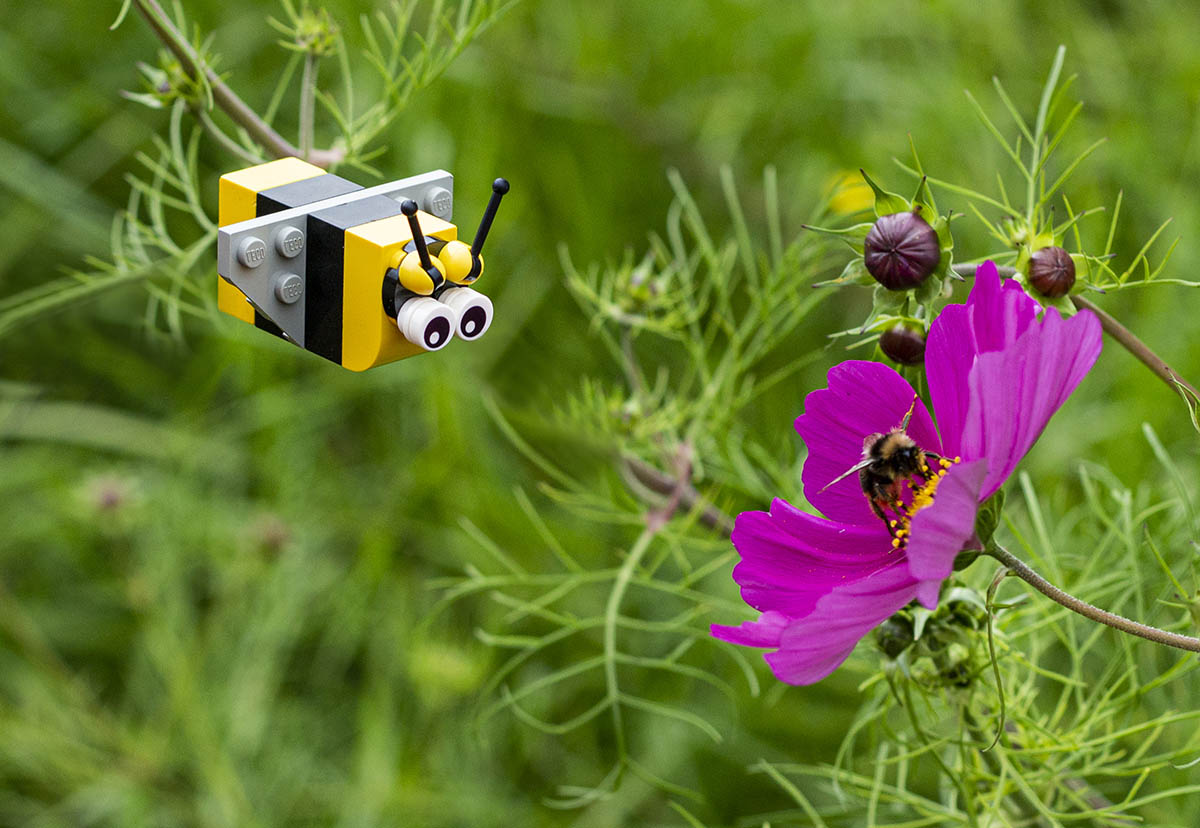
<point x="1135" y="346"/>
<point x="688" y="497"/>
<point x="223" y="96"/>
<point x="967" y="271"/>
<point x="1118" y="332"/>
<point x="1023" y="571"/>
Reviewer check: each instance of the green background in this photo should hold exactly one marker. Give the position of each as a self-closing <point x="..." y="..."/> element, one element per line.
<point x="215" y="551"/>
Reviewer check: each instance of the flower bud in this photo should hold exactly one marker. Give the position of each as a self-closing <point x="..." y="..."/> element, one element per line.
<point x="1051" y="272"/>
<point x="903" y="344"/>
<point x="894" y="636"/>
<point x="901" y="250"/>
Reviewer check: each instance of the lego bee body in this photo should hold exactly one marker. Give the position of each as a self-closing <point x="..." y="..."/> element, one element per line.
<point x="360" y="276"/>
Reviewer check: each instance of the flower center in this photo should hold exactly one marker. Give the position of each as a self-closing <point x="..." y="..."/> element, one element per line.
<point x="924" y="489"/>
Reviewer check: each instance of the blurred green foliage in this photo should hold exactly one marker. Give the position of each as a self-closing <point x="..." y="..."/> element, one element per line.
<point x="217" y="553"/>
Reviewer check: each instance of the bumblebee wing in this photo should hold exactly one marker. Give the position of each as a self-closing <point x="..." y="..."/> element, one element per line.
<point x="859" y="466"/>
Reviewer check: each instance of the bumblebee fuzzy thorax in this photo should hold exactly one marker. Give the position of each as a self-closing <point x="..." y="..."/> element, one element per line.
<point x="894" y="454"/>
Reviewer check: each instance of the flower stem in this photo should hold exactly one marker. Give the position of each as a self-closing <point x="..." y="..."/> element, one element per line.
<point x="1119" y="333"/>
<point x="1023" y="571"/>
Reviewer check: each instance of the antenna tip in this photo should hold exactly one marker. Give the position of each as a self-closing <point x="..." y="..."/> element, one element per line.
<point x="408" y="207"/>
<point x="500" y="185"/>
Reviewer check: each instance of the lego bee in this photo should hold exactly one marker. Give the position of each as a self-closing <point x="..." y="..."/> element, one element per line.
<point x="889" y="460"/>
<point x="360" y="276"/>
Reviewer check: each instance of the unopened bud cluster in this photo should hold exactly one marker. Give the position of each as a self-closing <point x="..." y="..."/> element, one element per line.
<point x="943" y="655"/>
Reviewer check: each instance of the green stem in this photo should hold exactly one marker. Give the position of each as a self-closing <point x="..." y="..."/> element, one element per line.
<point x="228" y="100"/>
<point x="612" y="610"/>
<point x="308" y="93"/>
<point x="1023" y="571"/>
<point x="231" y="146"/>
<point x="1022" y="802"/>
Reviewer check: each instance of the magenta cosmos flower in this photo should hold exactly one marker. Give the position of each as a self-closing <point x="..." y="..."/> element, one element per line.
<point x="996" y="373"/>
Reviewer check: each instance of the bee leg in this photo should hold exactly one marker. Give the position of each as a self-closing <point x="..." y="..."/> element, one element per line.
<point x="930" y="455"/>
<point x="877" y="505"/>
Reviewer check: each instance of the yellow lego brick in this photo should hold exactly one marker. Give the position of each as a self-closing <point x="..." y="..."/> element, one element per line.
<point x="232" y="301"/>
<point x="238" y="191"/>
<point x="369" y="336"/>
<point x="237" y="200"/>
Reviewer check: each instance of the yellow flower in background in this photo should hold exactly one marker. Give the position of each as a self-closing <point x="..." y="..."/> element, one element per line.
<point x="848" y="193"/>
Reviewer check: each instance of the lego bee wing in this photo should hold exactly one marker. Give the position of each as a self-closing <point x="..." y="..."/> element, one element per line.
<point x="859" y="466"/>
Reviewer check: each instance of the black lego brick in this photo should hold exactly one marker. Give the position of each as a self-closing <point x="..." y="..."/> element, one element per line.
<point x="323" y="274"/>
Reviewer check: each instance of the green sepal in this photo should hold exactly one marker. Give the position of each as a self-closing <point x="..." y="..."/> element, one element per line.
<point x="920" y="617"/>
<point x="854" y="273"/>
<point x="988" y="517"/>
<point x="886" y="203"/>
<point x="854" y="236"/>
<point x="1045" y="239"/>
<point x="965" y="558"/>
<point x="941" y="226"/>
<point x="1024" y="254"/>
<point x="924" y="196"/>
<point x="886" y="300"/>
<point x="967" y="596"/>
<point x="1064" y="304"/>
<point x="930" y="289"/>
<point x="858" y="232"/>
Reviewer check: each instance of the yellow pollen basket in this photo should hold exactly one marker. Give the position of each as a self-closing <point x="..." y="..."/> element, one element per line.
<point x="923" y="495"/>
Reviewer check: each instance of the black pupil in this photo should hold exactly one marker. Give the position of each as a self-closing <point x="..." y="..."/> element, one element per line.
<point x="436" y="332"/>
<point x="473" y="320"/>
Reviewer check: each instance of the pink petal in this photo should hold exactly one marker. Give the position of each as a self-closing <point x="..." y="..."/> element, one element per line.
<point x="765" y="632"/>
<point x="940" y="530"/>
<point x="1000" y="313"/>
<point x="790" y="559"/>
<point x="863" y="398"/>
<point x="813" y="647"/>
<point x="994" y="317"/>
<point x="1014" y="392"/>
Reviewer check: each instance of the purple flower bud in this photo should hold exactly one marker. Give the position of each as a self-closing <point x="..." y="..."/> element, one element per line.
<point x="901" y="250"/>
<point x="903" y="344"/>
<point x="1052" y="272"/>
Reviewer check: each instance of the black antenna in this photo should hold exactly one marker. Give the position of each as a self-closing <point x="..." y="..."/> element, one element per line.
<point x="409" y="208"/>
<point x="499" y="188"/>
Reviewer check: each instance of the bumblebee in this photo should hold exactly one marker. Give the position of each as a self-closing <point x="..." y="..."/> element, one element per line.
<point x="889" y="460"/>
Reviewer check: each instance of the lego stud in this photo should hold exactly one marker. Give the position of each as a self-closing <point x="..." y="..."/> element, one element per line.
<point x="474" y="311"/>
<point x="290" y="242"/>
<point x="439" y="202"/>
<point x="427" y="322"/>
<point x="252" y="251"/>
<point x="288" y="288"/>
